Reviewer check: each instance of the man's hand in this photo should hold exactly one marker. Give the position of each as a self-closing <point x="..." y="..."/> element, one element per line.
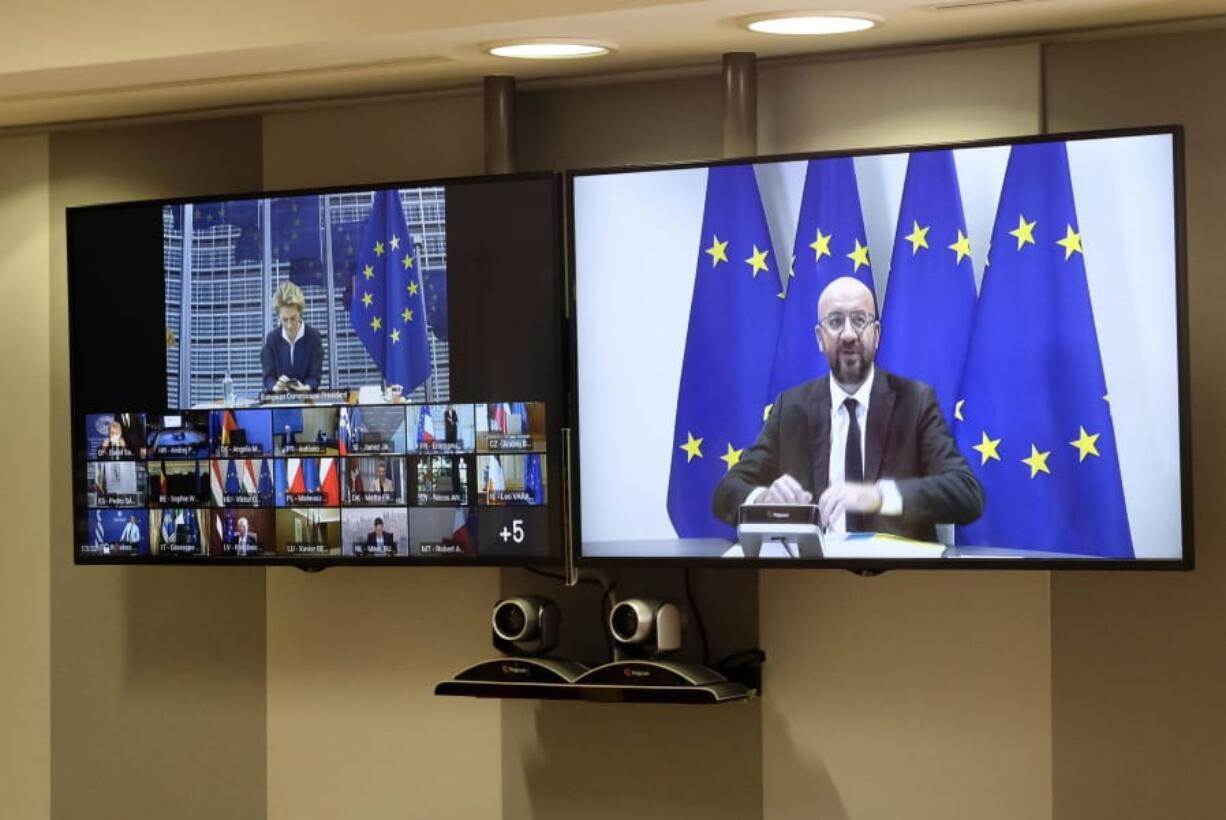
<point x="845" y="498"/>
<point x="785" y="490"/>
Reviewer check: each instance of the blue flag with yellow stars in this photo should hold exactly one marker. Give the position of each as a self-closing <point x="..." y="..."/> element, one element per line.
<point x="389" y="309"/>
<point x="930" y="296"/>
<point x="297" y="239"/>
<point x="1036" y="422"/>
<point x="830" y="243"/>
<point x="734" y="317"/>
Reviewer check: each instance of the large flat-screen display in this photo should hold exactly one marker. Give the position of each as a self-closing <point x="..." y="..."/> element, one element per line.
<point x="357" y="376"/>
<point x="958" y="355"/>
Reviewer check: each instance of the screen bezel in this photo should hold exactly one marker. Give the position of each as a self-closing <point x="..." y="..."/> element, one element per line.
<point x="555" y="426"/>
<point x="875" y="565"/>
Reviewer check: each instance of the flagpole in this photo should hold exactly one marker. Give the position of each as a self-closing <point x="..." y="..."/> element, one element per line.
<point x="185" y="309"/>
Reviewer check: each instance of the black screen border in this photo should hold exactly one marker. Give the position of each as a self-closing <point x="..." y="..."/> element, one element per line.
<point x="872" y="566"/>
<point x="555" y="501"/>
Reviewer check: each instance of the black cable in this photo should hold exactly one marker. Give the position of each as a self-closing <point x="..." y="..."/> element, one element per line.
<point x="702" y="627"/>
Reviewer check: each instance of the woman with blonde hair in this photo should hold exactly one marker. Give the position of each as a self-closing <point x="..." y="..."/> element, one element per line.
<point x="293" y="354"/>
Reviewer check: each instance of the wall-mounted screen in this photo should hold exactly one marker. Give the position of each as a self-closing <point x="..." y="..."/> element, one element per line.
<point x="345" y="376"/>
<point x="956" y="355"/>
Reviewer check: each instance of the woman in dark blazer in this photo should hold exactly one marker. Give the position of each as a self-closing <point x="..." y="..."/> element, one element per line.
<point x="293" y="353"/>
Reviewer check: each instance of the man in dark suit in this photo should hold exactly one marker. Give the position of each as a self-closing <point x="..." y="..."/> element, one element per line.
<point x="451" y="425"/>
<point x="245" y="540"/>
<point x="870" y="446"/>
<point x="379" y="540"/>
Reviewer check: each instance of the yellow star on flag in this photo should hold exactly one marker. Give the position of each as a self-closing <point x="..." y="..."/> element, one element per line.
<point x="395" y="334"/>
<point x="367" y="299"/>
<point x="820" y="245"/>
<point x="859" y="256"/>
<point x="987" y="449"/>
<point x="411" y="288"/>
<point x="407" y="315"/>
<point x="717" y="251"/>
<point x="1071" y="243"/>
<point x="1024" y="231"/>
<point x="395" y="243"/>
<point x="918" y="237"/>
<point x="368" y="272"/>
<point x="758" y="261"/>
<point x="407" y="261"/>
<point x="958" y="409"/>
<point x="376" y="323"/>
<point x="1085" y="444"/>
<point x="731" y="457"/>
<point x="378" y="249"/>
<point x="693" y="446"/>
<point x="962" y="247"/>
<point x="1037" y="462"/>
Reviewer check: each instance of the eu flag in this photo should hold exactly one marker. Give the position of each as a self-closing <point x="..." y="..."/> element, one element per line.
<point x="930" y="296"/>
<point x="265" y="489"/>
<point x="734" y="320"/>
<point x="232" y="485"/>
<point x="435" y="280"/>
<point x="296" y="238"/>
<point x="830" y="243"/>
<point x="1036" y="423"/>
<point x="389" y="310"/>
<point x="532" y="479"/>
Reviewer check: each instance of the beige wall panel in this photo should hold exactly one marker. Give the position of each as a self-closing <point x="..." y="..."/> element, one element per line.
<point x="913" y="695"/>
<point x="354" y="729"/>
<point x="157" y="673"/>
<point x="371" y="143"/>
<point x="1138" y="665"/>
<point x="905" y="100"/>
<point x="25" y="505"/>
<point x="620" y="124"/>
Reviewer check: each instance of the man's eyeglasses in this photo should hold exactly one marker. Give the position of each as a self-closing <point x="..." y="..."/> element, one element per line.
<point x="834" y="322"/>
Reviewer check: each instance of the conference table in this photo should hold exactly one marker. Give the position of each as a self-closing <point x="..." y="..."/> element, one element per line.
<point x="849" y="546"/>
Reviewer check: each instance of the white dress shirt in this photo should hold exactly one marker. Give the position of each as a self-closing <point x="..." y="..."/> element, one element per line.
<point x="293" y="341"/>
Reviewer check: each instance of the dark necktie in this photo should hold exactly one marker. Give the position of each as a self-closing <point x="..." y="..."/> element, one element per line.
<point x="853" y="467"/>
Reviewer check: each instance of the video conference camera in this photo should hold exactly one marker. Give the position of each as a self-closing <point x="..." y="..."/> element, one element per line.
<point x="646" y="627"/>
<point x="525" y="625"/>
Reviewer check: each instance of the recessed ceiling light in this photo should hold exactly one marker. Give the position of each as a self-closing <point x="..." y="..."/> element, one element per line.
<point x="810" y="22"/>
<point x="549" y="48"/>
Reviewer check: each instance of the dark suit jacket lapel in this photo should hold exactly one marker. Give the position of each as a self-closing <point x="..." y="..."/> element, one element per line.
<point x="880" y="411"/>
<point x="819" y="419"/>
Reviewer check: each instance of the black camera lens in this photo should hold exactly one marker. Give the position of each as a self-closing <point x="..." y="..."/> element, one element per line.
<point x="510" y="620"/>
<point x="625" y="622"/>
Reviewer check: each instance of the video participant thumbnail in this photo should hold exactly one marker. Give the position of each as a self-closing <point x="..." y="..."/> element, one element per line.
<point x="374" y="480"/>
<point x="376" y="532"/>
<point x="443" y="532"/>
<point x="178" y="435"/>
<point x="363" y="430"/>
<point x="305" y="431"/>
<point x="243" y="532"/>
<point x="309" y="531"/>
<point x="115" y="436"/>
<point x="117" y="532"/>
<point x="441" y="480"/>
<point x="442" y="428"/>
<point x="179" y="531"/>
<point x="240" y="433"/>
<point x="242" y="482"/>
<point x="178" y="483"/>
<point x="514" y="426"/>
<point x="117" y="484"/>
<point x="308" y="482"/>
<point x="511" y="479"/>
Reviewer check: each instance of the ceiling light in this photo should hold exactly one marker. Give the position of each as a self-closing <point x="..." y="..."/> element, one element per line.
<point x="810" y="23"/>
<point x="549" y="48"/>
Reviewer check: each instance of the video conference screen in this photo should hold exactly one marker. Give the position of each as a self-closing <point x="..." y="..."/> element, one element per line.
<point x="948" y="354"/>
<point x="350" y="376"/>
